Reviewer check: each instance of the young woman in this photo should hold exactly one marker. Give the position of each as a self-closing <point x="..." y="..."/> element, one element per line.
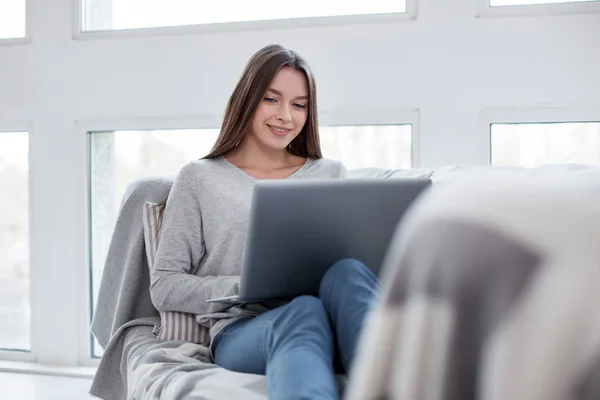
<point x="270" y="131"/>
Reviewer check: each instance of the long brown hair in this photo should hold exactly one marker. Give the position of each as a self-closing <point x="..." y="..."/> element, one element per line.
<point x="249" y="92"/>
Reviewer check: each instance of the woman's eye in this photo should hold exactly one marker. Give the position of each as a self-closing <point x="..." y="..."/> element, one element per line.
<point x="270" y="100"/>
<point x="298" y="105"/>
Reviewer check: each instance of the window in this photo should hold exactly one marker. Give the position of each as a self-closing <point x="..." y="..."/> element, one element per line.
<point x="14" y="241"/>
<point x="102" y="15"/>
<point x="12" y="19"/>
<point x="119" y="157"/>
<point x="378" y="146"/>
<point x="498" y="3"/>
<point x="533" y="144"/>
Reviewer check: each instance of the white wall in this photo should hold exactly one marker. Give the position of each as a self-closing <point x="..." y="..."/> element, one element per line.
<point x="447" y="63"/>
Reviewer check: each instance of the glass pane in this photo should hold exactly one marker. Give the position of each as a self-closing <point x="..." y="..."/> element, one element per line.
<point x="14" y="241"/>
<point x="530" y="145"/>
<point x="365" y="146"/>
<point x="118" y="158"/>
<point x="12" y="19"/>
<point x="132" y="14"/>
<point x="495" y="3"/>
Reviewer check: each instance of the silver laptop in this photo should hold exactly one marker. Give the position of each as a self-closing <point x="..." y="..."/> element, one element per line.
<point x="298" y="229"/>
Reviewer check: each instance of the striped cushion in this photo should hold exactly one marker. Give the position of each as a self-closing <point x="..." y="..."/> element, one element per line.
<point x="173" y="325"/>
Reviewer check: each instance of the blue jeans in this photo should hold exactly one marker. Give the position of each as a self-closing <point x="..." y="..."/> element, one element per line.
<point x="295" y="344"/>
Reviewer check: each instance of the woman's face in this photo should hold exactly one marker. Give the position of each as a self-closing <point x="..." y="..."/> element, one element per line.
<point x="283" y="111"/>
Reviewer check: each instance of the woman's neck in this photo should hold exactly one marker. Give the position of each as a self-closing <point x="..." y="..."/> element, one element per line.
<point x="250" y="154"/>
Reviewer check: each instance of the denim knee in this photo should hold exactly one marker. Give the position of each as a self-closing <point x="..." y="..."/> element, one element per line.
<point x="306" y="305"/>
<point x="303" y="314"/>
<point x="305" y="310"/>
<point x="340" y="273"/>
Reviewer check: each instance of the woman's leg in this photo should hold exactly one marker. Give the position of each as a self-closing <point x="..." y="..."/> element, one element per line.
<point x="347" y="291"/>
<point x="292" y="345"/>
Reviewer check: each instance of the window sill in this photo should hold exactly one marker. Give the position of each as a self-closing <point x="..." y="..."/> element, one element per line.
<point x="51" y="370"/>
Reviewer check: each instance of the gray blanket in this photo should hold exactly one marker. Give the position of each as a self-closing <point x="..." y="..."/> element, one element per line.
<point x="124" y="298"/>
<point x="135" y="364"/>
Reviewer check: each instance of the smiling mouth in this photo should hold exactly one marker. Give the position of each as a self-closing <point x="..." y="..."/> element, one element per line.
<point x="279" y="131"/>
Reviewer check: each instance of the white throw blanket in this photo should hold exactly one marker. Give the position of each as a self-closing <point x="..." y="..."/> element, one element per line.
<point x="490" y="292"/>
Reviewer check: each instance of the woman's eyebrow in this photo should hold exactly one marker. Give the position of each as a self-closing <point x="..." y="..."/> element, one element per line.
<point x="278" y="93"/>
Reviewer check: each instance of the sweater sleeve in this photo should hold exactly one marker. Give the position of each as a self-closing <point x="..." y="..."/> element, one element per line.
<point x="173" y="287"/>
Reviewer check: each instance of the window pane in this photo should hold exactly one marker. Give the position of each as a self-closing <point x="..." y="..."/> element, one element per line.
<point x="118" y="158"/>
<point x="530" y="145"/>
<point x="132" y="14"/>
<point x="365" y="146"/>
<point x="12" y="19"/>
<point x="14" y="241"/>
<point x="495" y="3"/>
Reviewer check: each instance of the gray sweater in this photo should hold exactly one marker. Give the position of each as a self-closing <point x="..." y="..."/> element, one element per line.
<point x="203" y="237"/>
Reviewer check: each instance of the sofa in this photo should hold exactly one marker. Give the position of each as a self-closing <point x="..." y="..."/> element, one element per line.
<point x="464" y="311"/>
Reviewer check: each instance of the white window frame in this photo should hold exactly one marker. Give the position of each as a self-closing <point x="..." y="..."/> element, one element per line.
<point x="485" y="10"/>
<point x="24" y="355"/>
<point x="83" y="130"/>
<point x="538" y="115"/>
<point x="27" y="39"/>
<point x="387" y="117"/>
<point x="263" y="25"/>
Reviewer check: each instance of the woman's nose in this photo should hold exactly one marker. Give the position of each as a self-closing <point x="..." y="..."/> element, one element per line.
<point x="284" y="114"/>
